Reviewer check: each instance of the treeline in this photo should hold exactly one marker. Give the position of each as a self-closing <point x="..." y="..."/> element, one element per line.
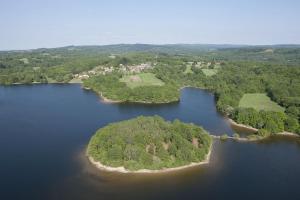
<point x="270" y="121"/>
<point x="22" y="76"/>
<point x="149" y="143"/>
<point x="283" y="55"/>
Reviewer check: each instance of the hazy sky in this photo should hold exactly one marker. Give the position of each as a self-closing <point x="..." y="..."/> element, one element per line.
<point x="29" y="24"/>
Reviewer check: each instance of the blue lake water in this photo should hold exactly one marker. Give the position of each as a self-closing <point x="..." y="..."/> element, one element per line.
<point x="44" y="130"/>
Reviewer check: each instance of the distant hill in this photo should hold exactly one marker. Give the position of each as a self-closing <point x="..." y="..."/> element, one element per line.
<point x="288" y="52"/>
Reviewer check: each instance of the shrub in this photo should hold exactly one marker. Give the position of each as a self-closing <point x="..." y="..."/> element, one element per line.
<point x="263" y="133"/>
<point x="224" y="137"/>
<point x="253" y="137"/>
<point x="236" y="135"/>
<point x="291" y="124"/>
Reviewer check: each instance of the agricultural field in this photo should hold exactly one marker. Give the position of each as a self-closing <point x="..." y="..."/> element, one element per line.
<point x="259" y="101"/>
<point x="188" y="70"/>
<point x="209" y="72"/>
<point x="143" y="79"/>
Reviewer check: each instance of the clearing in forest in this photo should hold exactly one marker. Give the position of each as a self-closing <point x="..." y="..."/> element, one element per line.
<point x="188" y="70"/>
<point x="209" y="72"/>
<point x="143" y="79"/>
<point x="259" y="101"/>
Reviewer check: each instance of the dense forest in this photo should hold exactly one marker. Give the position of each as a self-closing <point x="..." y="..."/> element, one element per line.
<point x="149" y="143"/>
<point x="237" y="70"/>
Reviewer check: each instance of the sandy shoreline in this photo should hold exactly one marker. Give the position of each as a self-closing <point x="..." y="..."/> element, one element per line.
<point x="242" y="125"/>
<point x="106" y="100"/>
<point x="288" y="134"/>
<point x="143" y="171"/>
<point x="103" y="98"/>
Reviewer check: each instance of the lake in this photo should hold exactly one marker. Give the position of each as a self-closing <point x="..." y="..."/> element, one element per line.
<point x="44" y="130"/>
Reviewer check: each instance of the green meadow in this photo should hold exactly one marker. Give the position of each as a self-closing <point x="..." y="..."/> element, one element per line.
<point x="143" y="79"/>
<point x="259" y="101"/>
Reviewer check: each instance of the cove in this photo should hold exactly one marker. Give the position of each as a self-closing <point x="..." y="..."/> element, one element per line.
<point x="44" y="130"/>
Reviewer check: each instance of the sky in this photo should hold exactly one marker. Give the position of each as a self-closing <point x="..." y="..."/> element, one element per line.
<point x="28" y="24"/>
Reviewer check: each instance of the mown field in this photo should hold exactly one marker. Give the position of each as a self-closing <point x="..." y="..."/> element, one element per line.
<point x="143" y="79"/>
<point x="259" y="101"/>
<point x="209" y="72"/>
<point x="188" y="70"/>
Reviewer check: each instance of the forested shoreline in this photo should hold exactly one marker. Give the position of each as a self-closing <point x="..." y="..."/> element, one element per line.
<point x="149" y="143"/>
<point x="110" y="88"/>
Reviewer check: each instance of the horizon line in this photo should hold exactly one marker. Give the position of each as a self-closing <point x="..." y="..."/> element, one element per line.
<point x="156" y="44"/>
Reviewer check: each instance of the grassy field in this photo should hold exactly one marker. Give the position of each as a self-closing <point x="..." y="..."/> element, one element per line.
<point x="209" y="72"/>
<point x="188" y="70"/>
<point x="143" y="79"/>
<point x="259" y="101"/>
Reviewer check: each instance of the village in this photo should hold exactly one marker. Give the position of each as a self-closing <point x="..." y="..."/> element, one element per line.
<point x="135" y="69"/>
<point x="103" y="70"/>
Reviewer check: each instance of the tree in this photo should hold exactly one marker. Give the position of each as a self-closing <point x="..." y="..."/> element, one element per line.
<point x="291" y="124"/>
<point x="263" y="133"/>
<point x="162" y="153"/>
<point x="146" y="159"/>
<point x="172" y="149"/>
<point x="293" y="111"/>
<point x="236" y="135"/>
<point x="131" y="152"/>
<point x="224" y="137"/>
<point x="271" y="126"/>
<point x="115" y="152"/>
